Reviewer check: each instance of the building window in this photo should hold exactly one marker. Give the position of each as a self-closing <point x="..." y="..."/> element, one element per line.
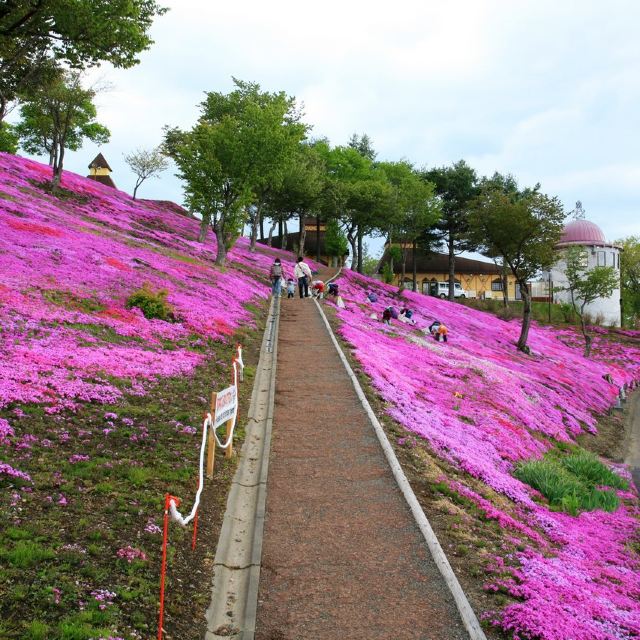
<point x="602" y="258"/>
<point x="496" y="285"/>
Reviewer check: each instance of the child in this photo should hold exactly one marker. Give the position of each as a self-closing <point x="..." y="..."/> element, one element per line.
<point x="291" y="287"/>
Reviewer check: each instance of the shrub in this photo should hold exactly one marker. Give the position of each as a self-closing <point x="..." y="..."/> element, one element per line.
<point x="570" y="483"/>
<point x="153" y="304"/>
<point x="587" y="467"/>
<point x="505" y="313"/>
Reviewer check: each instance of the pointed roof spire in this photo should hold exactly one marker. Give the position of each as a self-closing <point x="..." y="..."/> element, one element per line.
<point x="99" y="162"/>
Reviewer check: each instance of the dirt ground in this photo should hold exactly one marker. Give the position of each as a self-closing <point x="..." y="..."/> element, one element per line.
<point x="342" y="555"/>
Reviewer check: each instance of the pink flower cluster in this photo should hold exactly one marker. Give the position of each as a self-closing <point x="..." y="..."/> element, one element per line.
<point x="130" y="554"/>
<point x="483" y="406"/>
<point x="68" y="267"/>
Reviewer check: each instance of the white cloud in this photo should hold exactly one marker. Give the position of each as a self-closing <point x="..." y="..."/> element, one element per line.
<point x="545" y="90"/>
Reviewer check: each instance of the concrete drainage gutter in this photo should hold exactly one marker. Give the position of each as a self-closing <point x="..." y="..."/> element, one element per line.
<point x="234" y="597"/>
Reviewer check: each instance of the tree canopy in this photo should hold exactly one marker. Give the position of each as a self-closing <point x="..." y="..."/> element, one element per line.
<point x="521" y="226"/>
<point x="59" y="116"/>
<point x="36" y="35"/>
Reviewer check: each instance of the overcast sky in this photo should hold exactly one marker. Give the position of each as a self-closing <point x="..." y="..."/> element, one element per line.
<point x="546" y="90"/>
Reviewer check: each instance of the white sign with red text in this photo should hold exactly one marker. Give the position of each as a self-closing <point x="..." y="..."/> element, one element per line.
<point x="226" y="403"/>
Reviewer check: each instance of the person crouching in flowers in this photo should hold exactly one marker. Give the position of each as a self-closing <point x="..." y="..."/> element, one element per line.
<point x="441" y="334"/>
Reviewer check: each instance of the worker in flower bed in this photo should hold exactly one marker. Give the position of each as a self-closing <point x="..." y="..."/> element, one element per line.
<point x="317" y="289"/>
<point x="433" y="327"/>
<point x="333" y="289"/>
<point x="406" y="316"/>
<point x="386" y="315"/>
<point x="372" y="297"/>
<point x="441" y="335"/>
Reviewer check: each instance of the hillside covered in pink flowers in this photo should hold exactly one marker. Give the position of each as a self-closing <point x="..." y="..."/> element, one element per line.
<point x="482" y="407"/>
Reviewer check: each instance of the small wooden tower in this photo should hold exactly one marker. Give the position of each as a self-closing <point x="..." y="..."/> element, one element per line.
<point x="99" y="170"/>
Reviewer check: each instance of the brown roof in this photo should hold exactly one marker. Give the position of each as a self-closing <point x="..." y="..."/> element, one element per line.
<point x="99" y="162"/>
<point x="104" y="180"/>
<point x="439" y="263"/>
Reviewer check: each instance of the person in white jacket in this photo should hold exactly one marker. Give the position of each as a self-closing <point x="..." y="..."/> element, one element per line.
<point x="303" y="273"/>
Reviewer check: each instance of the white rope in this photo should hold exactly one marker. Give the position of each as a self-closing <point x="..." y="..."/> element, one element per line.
<point x="208" y="424"/>
<point x="175" y="514"/>
<point x="240" y="361"/>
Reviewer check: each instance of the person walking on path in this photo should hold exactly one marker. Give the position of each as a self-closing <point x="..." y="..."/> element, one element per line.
<point x="303" y="273"/>
<point x="277" y="275"/>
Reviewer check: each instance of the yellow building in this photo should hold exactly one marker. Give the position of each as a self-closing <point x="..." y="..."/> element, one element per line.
<point x="478" y="278"/>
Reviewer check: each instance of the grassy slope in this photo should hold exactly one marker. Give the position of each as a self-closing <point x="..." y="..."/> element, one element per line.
<point x="464" y="415"/>
<point x="100" y="408"/>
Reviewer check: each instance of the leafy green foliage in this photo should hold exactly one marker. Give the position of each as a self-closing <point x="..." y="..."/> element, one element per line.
<point x="36" y="36"/>
<point x="8" y="138"/>
<point x="60" y="115"/>
<point x="234" y="155"/>
<point x="630" y="280"/>
<point x="587" y="285"/>
<point x="523" y="228"/>
<point x="153" y="304"/>
<point x="571" y="482"/>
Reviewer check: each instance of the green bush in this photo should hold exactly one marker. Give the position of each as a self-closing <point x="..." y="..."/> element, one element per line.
<point x="586" y="466"/>
<point x="570" y="482"/>
<point x="153" y="304"/>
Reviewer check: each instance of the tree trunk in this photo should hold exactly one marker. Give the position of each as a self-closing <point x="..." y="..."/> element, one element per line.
<point x="352" y="244"/>
<point x="285" y="233"/>
<point x="585" y="333"/>
<point x="271" y="230"/>
<point x="505" y="282"/>
<point x="221" y="253"/>
<point x="262" y="227"/>
<point x="57" y="169"/>
<point x="280" y="233"/>
<point x="303" y="234"/>
<point x="254" y="229"/>
<point x="204" y="226"/>
<point x="135" y="189"/>
<point x="359" y="250"/>
<point x="452" y="269"/>
<point x="526" y="317"/>
<point x="317" y="238"/>
<point x="414" y="266"/>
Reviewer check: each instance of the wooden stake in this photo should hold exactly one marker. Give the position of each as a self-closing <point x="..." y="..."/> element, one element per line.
<point x="211" y="441"/>
<point x="229" y="452"/>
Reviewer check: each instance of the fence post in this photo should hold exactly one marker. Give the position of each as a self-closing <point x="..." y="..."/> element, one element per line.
<point x="229" y="451"/>
<point x="211" y="441"/>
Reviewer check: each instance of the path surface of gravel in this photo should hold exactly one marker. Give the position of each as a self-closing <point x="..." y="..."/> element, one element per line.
<point x="342" y="556"/>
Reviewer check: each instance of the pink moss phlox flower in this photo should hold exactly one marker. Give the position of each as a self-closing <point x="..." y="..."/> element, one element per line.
<point x="482" y="407"/>
<point x="130" y="554"/>
<point x="7" y="470"/>
<point x="6" y="432"/>
<point x="78" y="457"/>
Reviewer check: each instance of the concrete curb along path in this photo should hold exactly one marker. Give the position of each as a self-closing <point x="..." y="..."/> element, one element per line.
<point x="467" y="614"/>
<point x="234" y="596"/>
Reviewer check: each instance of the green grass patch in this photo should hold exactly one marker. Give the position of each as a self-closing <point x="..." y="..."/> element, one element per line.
<point x="36" y="630"/>
<point x="27" y="553"/>
<point x="153" y="304"/>
<point x="70" y="300"/>
<point x="571" y="482"/>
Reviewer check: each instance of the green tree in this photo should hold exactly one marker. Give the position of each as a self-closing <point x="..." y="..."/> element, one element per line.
<point x="59" y="116"/>
<point x="413" y="208"/>
<point x="357" y="193"/>
<point x="363" y="145"/>
<point x="457" y="186"/>
<point x="9" y="139"/>
<point x="523" y="230"/>
<point x="268" y="130"/>
<point x="586" y="286"/>
<point x="37" y="35"/>
<point x="335" y="242"/>
<point x="630" y="279"/>
<point x="299" y="192"/>
<point x="146" y="164"/>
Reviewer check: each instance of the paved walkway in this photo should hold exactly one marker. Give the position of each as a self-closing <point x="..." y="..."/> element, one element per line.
<point x="342" y="557"/>
<point x="632" y="457"/>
